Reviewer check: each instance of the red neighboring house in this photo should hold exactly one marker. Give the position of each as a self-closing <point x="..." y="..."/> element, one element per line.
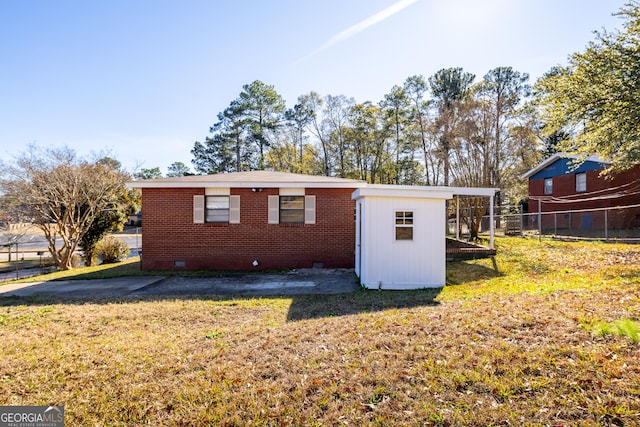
<point x="247" y="220"/>
<point x="556" y="185"/>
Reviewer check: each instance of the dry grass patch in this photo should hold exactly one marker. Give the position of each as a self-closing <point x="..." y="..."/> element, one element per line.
<point x="508" y="349"/>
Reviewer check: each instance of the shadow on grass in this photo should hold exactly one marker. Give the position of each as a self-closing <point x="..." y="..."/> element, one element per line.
<point x="132" y="269"/>
<point x="302" y="307"/>
<point x="363" y="301"/>
<point x="108" y="271"/>
<point x="462" y="272"/>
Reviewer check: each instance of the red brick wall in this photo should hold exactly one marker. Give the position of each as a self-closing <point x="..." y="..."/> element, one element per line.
<point x="169" y="234"/>
<point x="565" y="186"/>
<point x="625" y="187"/>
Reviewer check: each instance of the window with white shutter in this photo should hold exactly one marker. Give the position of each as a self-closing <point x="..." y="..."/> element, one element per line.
<point x="292" y="209"/>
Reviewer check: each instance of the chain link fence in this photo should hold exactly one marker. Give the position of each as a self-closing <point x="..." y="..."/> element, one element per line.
<point x="619" y="223"/>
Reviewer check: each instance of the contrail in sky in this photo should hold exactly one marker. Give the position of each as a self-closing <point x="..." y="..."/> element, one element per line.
<point x="362" y="25"/>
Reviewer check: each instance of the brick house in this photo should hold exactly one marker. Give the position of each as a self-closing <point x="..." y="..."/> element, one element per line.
<point x="247" y="220"/>
<point x="556" y="185"/>
<point x="259" y="220"/>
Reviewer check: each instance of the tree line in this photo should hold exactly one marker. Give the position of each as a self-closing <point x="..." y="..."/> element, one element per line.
<point x="443" y="130"/>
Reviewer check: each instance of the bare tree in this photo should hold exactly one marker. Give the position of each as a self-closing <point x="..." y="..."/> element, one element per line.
<point x="504" y="89"/>
<point x="449" y="87"/>
<point x="336" y="118"/>
<point x="416" y="88"/>
<point x="61" y="194"/>
<point x="317" y="127"/>
<point x="398" y="114"/>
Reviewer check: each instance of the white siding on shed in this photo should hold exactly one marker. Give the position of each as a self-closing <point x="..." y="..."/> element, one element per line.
<point x="382" y="262"/>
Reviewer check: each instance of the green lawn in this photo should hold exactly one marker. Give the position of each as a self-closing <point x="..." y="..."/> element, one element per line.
<point x="546" y="340"/>
<point x="129" y="267"/>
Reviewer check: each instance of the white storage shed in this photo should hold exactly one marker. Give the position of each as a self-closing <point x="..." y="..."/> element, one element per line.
<point x="401" y="234"/>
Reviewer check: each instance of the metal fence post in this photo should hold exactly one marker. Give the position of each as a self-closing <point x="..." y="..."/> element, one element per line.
<point x="539" y="219"/>
<point x="521" y="209"/>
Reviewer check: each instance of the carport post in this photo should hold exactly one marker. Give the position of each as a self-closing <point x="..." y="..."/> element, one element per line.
<point x="491" y="225"/>
<point x="457" y="217"/>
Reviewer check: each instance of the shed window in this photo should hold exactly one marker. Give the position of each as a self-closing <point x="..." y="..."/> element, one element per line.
<point x="404" y="225"/>
<point x="548" y="186"/>
<point x="217" y="209"/>
<point x="581" y="182"/>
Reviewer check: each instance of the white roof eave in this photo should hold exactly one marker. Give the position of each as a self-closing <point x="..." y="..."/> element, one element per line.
<point x="423" y="192"/>
<point x="250" y="179"/>
<point x="400" y="193"/>
<point x="244" y="184"/>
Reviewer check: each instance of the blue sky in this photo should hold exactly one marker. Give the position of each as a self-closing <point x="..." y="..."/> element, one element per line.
<point x="145" y="79"/>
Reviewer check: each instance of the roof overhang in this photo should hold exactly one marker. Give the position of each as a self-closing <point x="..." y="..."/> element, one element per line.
<point x="420" y="192"/>
<point x="474" y="191"/>
<point x="253" y="179"/>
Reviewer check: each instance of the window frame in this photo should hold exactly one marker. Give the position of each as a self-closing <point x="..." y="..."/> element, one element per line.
<point x="547" y="189"/>
<point x="581" y="182"/>
<point x="404" y="223"/>
<point x="207" y="209"/>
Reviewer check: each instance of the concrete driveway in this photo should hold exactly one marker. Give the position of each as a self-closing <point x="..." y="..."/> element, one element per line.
<point x="79" y="288"/>
<point x="303" y="281"/>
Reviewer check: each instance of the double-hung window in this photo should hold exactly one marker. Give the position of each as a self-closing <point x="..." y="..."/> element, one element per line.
<point x="581" y="182"/>
<point x="548" y="186"/>
<point x="217" y="209"/>
<point x="291" y="209"/>
<point x="404" y="225"/>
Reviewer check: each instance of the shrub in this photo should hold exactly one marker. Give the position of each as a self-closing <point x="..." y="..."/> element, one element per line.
<point x="76" y="261"/>
<point x="111" y="250"/>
